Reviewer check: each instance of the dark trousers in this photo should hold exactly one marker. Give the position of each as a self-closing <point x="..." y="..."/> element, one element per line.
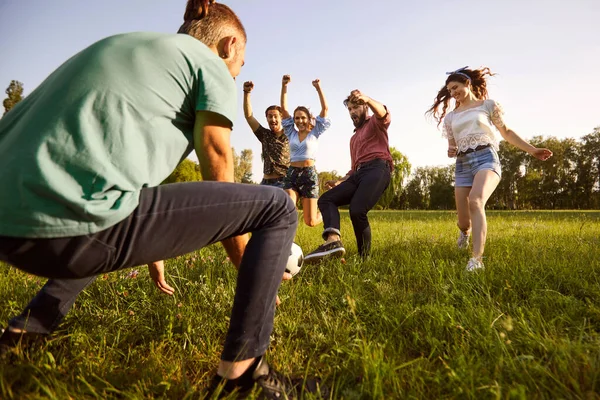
<point x="361" y="190"/>
<point x="171" y="220"/>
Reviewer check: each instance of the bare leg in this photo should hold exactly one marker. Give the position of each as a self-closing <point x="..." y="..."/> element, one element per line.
<point x="461" y="194"/>
<point x="293" y="195"/>
<point x="312" y="215"/>
<point x="484" y="184"/>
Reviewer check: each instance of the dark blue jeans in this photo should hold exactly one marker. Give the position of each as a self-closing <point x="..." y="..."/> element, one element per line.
<point x="171" y="220"/>
<point x="361" y="190"/>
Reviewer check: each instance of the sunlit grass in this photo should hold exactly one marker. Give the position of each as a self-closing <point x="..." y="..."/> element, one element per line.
<point x="407" y="323"/>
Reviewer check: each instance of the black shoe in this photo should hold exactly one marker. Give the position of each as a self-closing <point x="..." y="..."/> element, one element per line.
<point x="9" y="340"/>
<point x="327" y="250"/>
<point x="272" y="384"/>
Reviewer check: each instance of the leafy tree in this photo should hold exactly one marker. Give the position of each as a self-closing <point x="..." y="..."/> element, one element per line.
<point x="15" y="95"/>
<point x="392" y="196"/>
<point x="511" y="160"/>
<point x="186" y="171"/>
<point x="441" y="188"/>
<point x="590" y="158"/>
<point x="325" y="176"/>
<point x="417" y="189"/>
<point x="242" y="165"/>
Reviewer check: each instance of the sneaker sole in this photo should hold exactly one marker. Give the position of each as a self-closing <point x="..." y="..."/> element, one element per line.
<point x="315" y="258"/>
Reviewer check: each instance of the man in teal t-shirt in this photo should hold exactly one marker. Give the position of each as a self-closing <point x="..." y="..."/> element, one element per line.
<point x="82" y="158"/>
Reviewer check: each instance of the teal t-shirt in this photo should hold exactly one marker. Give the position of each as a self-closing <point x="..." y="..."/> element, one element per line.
<point x="113" y="119"/>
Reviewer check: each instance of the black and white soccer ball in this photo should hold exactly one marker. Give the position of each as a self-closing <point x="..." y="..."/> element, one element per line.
<point x="296" y="260"/>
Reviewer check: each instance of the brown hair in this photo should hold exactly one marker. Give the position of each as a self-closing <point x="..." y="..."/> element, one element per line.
<point x="209" y="22"/>
<point x="276" y="108"/>
<point x="478" y="87"/>
<point x="305" y="110"/>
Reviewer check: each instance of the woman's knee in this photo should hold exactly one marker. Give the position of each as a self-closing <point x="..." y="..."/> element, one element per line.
<point x="476" y="202"/>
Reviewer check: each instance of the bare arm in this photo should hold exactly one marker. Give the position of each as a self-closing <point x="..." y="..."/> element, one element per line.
<point x="513" y="138"/>
<point x="324" y="108"/>
<point x="376" y="107"/>
<point x="213" y="148"/>
<point x="284" y="108"/>
<point x="254" y="124"/>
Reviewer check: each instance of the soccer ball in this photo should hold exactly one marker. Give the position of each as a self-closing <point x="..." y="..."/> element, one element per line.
<point x="295" y="260"/>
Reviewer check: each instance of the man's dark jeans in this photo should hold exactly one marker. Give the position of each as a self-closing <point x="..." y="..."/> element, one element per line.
<point x="171" y="220"/>
<point x="361" y="190"/>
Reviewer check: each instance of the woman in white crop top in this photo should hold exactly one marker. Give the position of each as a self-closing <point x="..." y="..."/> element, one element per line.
<point x="471" y="132"/>
<point x="301" y="180"/>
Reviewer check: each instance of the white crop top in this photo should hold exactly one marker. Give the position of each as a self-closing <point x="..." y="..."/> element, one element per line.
<point x="474" y="126"/>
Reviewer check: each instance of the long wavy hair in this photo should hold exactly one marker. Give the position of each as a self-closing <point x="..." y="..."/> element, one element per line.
<point x="477" y="83"/>
<point x="311" y="119"/>
<point x="209" y="22"/>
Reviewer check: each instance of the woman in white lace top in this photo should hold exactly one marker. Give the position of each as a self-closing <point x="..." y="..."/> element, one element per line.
<point x="471" y="132"/>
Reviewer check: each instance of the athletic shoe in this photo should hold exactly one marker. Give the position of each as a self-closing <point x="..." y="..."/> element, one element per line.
<point x="463" y="240"/>
<point x="474" y="264"/>
<point x="327" y="250"/>
<point x="9" y="340"/>
<point x="272" y="384"/>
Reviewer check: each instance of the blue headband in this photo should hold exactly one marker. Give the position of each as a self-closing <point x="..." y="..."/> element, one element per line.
<point x="459" y="72"/>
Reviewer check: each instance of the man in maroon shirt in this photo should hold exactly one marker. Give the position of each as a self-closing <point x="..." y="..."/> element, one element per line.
<point x="364" y="184"/>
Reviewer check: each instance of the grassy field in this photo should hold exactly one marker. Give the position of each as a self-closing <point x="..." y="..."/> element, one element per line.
<point x="407" y="323"/>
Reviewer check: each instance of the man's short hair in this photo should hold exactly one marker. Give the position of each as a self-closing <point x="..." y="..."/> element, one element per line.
<point x="276" y="108"/>
<point x="348" y="101"/>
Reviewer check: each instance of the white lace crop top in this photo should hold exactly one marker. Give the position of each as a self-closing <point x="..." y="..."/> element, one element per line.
<point x="474" y="126"/>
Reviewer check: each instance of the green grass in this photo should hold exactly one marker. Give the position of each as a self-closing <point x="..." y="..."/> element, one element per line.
<point x="407" y="323"/>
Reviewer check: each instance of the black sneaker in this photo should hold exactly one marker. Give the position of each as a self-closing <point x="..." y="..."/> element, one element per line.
<point x="272" y="384"/>
<point x="9" y="340"/>
<point x="327" y="250"/>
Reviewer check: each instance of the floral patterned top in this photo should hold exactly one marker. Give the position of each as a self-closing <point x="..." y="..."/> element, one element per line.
<point x="275" y="151"/>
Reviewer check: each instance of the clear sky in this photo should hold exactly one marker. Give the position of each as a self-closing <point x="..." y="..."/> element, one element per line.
<point x="546" y="52"/>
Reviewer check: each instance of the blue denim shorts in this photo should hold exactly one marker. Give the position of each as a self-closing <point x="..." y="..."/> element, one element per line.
<point x="469" y="164"/>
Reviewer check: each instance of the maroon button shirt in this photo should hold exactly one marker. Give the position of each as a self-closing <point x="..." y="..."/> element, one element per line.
<point x="370" y="141"/>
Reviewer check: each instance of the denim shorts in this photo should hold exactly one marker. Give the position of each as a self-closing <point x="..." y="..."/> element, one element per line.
<point x="469" y="164"/>
<point x="303" y="180"/>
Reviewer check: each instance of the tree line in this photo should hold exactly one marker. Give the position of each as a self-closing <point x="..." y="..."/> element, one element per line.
<point x="568" y="180"/>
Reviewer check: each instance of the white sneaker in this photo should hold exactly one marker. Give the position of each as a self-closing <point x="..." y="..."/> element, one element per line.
<point x="474" y="264"/>
<point x="463" y="240"/>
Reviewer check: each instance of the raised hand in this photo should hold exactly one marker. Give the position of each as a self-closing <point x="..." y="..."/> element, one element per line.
<point x="286" y="79"/>
<point x="542" y="154"/>
<point x="248" y="86"/>
<point x="358" y="98"/>
<point x="316" y="83"/>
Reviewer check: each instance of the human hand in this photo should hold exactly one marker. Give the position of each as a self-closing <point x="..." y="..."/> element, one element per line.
<point x="286" y="79"/>
<point x="248" y="86"/>
<point x="541" y="154"/>
<point x="452" y="151"/>
<point x="157" y="273"/>
<point x="358" y="98"/>
<point x="286" y="277"/>
<point x="331" y="184"/>
<point x="317" y="83"/>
